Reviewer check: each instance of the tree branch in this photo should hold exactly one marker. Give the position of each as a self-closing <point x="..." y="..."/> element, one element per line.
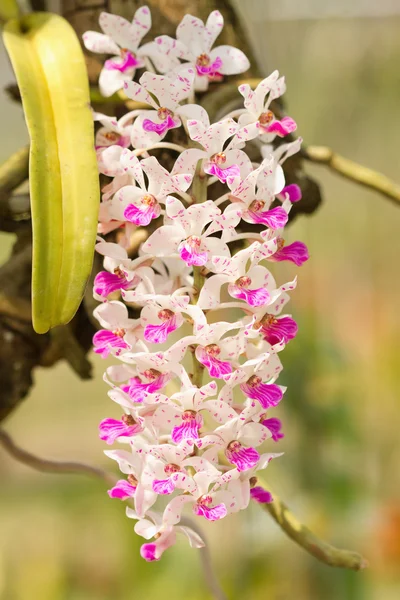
<point x="14" y="171"/>
<point x="52" y="466"/>
<point x="299" y="533"/>
<point x="353" y="171"/>
<point x="76" y="468"/>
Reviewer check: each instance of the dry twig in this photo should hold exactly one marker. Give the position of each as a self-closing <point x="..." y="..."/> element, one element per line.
<point x="299" y="533"/>
<point x="353" y="171"/>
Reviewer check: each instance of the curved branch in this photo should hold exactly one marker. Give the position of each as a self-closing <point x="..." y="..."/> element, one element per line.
<point x="14" y="171"/>
<point x="353" y="171"/>
<point x="299" y="533"/>
<point x="52" y="466"/>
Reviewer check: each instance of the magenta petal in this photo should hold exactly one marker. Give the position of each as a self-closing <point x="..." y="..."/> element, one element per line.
<point x="112" y="429"/>
<point x="293" y="191"/>
<point x="157" y="334"/>
<point x="105" y="283"/>
<point x="283" y="127"/>
<point x="137" y="389"/>
<point x="160" y="128"/>
<point x="212" y="513"/>
<point x="211" y="69"/>
<point x="276" y="218"/>
<point x="104" y="340"/>
<point x="267" y="394"/>
<point x="141" y="215"/>
<point x="129" y="62"/>
<point x="260" y="495"/>
<point x="216" y="368"/>
<point x="222" y="174"/>
<point x="282" y="329"/>
<point x="296" y="253"/>
<point x="163" y="486"/>
<point x="191" y="257"/>
<point x="122" y="490"/>
<point x="257" y="297"/>
<point x="275" y="426"/>
<point x="149" y="552"/>
<point x="154" y="550"/>
<point x="187" y="430"/>
<point x="243" y="458"/>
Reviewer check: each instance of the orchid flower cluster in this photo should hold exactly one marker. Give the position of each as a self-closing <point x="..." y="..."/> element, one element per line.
<point x="190" y="443"/>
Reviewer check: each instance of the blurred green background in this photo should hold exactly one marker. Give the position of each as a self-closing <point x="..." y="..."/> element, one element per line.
<point x="61" y="538"/>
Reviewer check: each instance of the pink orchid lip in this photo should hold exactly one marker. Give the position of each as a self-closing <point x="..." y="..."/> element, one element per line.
<point x="296" y="253"/>
<point x="278" y="329"/>
<point x="154" y="550"/>
<point x="205" y="67"/>
<point x="122" y="490"/>
<point x="292" y="191"/>
<point x="275" y="218"/>
<point x="260" y="495"/>
<point x="243" y="458"/>
<point x="137" y="390"/>
<point x="283" y="127"/>
<point x="158" y="334"/>
<point x="143" y="214"/>
<point x="105" y="283"/>
<point x="112" y="429"/>
<point x="163" y="486"/>
<point x="129" y="61"/>
<point x="190" y="251"/>
<point x="104" y="340"/>
<point x="189" y="428"/>
<point x="267" y="394"/>
<point x="207" y="357"/>
<point x="274" y="425"/>
<point x="160" y="128"/>
<point x="239" y="290"/>
<point x="148" y="552"/>
<point x="211" y="168"/>
<point x="203" y="508"/>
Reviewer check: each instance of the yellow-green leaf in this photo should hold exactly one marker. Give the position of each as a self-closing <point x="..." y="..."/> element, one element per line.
<point x="51" y="73"/>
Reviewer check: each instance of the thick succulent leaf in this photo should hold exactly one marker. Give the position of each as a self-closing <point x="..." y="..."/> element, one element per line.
<point x="51" y="73"/>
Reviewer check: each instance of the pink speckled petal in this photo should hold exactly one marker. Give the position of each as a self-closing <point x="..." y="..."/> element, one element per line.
<point x="296" y="253"/>
<point x="257" y="297"/>
<point x="244" y="458"/>
<point x="267" y="394"/>
<point x="260" y="495"/>
<point x="211" y="513"/>
<point x="122" y="490"/>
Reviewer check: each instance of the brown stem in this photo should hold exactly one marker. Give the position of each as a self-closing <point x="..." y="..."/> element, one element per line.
<point x="353" y="171"/>
<point x="299" y="533"/>
<point x="52" y="466"/>
<point x="14" y="171"/>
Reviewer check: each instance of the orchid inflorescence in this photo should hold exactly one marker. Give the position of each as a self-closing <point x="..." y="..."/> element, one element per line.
<point x="190" y="442"/>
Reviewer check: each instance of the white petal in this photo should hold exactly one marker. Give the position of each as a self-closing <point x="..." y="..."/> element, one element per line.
<point x="112" y="80"/>
<point x="173" y="511"/>
<point x="190" y="32"/>
<point x="164" y="241"/>
<point x="125" y="34"/>
<point x="233" y="60"/>
<point x="211" y="291"/>
<point x="98" y="42"/>
<point x="214" y="25"/>
<point x="137" y="92"/>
